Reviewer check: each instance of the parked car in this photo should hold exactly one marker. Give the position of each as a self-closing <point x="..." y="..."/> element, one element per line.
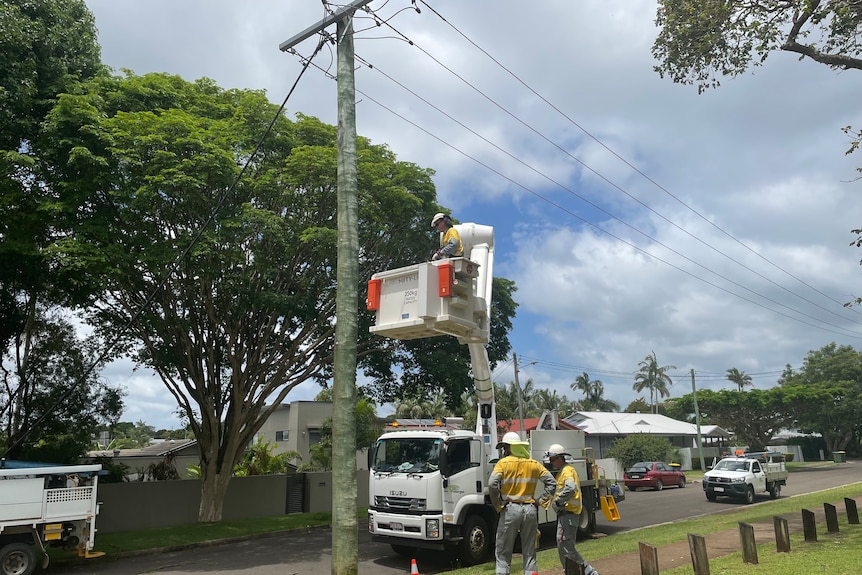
<point x="654" y="474"/>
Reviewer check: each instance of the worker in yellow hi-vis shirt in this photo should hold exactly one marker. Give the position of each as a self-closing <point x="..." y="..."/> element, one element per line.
<point x="567" y="504"/>
<point x="450" y="239"/>
<point x="512" y="486"/>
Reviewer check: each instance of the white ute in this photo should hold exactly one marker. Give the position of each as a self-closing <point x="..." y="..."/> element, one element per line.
<point x="746" y="476"/>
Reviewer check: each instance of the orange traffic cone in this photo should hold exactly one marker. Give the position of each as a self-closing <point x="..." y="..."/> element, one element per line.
<point x="414" y="570"/>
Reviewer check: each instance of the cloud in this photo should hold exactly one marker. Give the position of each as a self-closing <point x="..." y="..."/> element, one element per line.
<point x="614" y="257"/>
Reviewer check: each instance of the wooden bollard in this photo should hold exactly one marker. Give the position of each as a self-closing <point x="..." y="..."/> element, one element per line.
<point x="852" y="512"/>
<point x="809" y="526"/>
<point x="699" y="558"/>
<point x="831" y="518"/>
<point x="574" y="567"/>
<point x="782" y="534"/>
<point x="749" y="546"/>
<point x="649" y="558"/>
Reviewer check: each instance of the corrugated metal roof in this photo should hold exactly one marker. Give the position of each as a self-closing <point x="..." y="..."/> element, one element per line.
<point x="609" y="423"/>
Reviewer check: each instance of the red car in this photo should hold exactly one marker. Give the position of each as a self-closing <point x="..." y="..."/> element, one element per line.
<point x="654" y="474"/>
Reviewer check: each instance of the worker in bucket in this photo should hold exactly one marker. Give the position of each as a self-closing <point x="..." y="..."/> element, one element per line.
<point x="567" y="504"/>
<point x="512" y="486"/>
<point x="450" y="239"/>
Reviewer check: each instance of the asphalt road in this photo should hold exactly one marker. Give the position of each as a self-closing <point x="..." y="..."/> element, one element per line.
<point x="310" y="553"/>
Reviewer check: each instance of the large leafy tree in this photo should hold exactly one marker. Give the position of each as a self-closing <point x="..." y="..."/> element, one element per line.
<point x="754" y="417"/>
<point x="51" y="401"/>
<point x="653" y="377"/>
<point x="825" y="395"/>
<point x="46" y="47"/>
<point x="234" y="318"/>
<point x="702" y="40"/>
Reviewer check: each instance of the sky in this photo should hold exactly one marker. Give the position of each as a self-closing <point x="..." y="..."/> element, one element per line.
<point x="634" y="215"/>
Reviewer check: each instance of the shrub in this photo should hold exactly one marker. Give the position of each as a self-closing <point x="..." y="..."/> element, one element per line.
<point x="640" y="447"/>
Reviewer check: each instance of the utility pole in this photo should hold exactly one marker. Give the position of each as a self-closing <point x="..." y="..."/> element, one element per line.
<point x="697" y="420"/>
<point x="520" y="398"/>
<point x="345" y="540"/>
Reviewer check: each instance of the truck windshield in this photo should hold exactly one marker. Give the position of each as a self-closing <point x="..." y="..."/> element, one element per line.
<point x="408" y="455"/>
<point x="730" y="465"/>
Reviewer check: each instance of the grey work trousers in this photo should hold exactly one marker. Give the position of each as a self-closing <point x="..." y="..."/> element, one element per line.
<point x="515" y="518"/>
<point x="567" y="534"/>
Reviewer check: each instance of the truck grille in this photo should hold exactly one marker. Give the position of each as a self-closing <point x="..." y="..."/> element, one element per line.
<point x="399" y="503"/>
<point x="720" y="480"/>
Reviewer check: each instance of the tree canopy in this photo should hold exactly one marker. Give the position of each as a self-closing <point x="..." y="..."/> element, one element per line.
<point x="699" y="41"/>
<point x="227" y="290"/>
<point x="653" y="377"/>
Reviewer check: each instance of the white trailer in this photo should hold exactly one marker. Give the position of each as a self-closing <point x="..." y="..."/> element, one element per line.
<point x="53" y="505"/>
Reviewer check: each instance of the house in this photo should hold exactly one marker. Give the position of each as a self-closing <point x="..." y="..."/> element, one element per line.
<point x="295" y="426"/>
<point x="603" y="428"/>
<point x="183" y="451"/>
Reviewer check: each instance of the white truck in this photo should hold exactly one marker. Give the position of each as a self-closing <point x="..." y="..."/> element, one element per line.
<point x="54" y="505"/>
<point x="746" y="476"/>
<point x="429" y="486"/>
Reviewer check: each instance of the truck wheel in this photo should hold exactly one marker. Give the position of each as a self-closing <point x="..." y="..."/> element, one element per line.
<point x="586" y="522"/>
<point x="658" y="485"/>
<point x="749" y="495"/>
<point x="775" y="491"/>
<point x="477" y="541"/>
<point x="404" y="550"/>
<point x="17" y="559"/>
<point x="711" y="496"/>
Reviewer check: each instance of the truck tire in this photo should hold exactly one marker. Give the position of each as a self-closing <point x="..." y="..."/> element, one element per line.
<point x="749" y="495"/>
<point x="404" y="550"/>
<point x="775" y="490"/>
<point x="711" y="496"/>
<point x="17" y="559"/>
<point x="477" y="542"/>
<point x="586" y="522"/>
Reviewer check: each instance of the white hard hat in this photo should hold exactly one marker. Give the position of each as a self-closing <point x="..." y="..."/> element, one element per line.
<point x="437" y="218"/>
<point x="556" y="449"/>
<point x="511" y="438"/>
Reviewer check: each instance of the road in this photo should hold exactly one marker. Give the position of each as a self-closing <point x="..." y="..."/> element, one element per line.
<point x="310" y="553"/>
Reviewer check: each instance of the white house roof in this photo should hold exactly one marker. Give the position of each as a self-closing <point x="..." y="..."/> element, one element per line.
<point x="608" y="423"/>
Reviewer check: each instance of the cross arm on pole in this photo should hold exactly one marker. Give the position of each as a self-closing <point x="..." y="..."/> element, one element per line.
<point x="329" y="20"/>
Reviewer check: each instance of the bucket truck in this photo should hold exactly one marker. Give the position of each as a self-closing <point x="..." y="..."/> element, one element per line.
<point x="429" y="485"/>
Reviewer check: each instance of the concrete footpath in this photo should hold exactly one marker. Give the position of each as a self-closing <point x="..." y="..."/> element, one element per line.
<point x="718" y="544"/>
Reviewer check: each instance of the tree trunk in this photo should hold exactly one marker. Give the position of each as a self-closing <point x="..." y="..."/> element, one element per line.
<point x="213" y="490"/>
<point x="345" y="537"/>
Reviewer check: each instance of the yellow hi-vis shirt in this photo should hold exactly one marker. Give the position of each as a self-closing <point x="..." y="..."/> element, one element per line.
<point x="450" y="243"/>
<point x="516" y="479"/>
<point x="568" y="490"/>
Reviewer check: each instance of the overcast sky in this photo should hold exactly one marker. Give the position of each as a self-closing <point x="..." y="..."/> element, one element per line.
<point x="633" y="214"/>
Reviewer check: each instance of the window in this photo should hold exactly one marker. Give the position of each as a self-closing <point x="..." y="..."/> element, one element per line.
<point x="282" y="435"/>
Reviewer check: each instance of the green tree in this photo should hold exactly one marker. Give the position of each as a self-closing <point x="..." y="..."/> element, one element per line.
<point x="260" y="460"/>
<point x="248" y="313"/>
<point x="700" y="41"/>
<point x="546" y="399"/>
<point x="653" y="377"/>
<point x="753" y="417"/>
<point x="52" y="401"/>
<point x="639" y="405"/>
<point x="594" y="391"/>
<point x="825" y="395"/>
<point x="640" y="447"/>
<point x="740" y="378"/>
<point x="46" y="47"/>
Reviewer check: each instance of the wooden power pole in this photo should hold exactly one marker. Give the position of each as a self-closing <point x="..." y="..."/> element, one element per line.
<point x="345" y="536"/>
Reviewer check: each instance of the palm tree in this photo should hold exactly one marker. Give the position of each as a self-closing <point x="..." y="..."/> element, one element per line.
<point x="545" y="399"/>
<point x="740" y="378"/>
<point x="593" y="391"/>
<point x="651" y="376"/>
